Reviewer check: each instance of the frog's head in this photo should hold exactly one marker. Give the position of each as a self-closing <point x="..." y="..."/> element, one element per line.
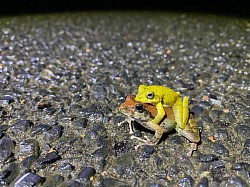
<point x="134" y="109"/>
<point x="140" y="112"/>
<point x="147" y="94"/>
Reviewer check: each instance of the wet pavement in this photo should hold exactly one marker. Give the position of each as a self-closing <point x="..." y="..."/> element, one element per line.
<point x="63" y="76"/>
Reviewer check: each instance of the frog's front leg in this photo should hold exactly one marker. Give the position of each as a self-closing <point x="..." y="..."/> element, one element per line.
<point x="160" y="114"/>
<point x="129" y="120"/>
<point x="158" y="134"/>
<point x="181" y="112"/>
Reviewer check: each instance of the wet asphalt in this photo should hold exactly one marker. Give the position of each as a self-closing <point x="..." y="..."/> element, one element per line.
<point x="63" y="76"/>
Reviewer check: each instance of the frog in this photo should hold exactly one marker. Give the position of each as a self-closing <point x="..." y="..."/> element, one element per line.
<point x="143" y="113"/>
<point x="161" y="96"/>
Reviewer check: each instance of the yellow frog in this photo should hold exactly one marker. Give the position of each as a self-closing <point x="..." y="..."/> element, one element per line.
<point x="162" y="96"/>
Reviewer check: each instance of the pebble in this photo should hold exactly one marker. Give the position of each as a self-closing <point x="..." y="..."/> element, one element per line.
<point x="243" y="130"/>
<point x="220" y="149"/>
<point x="203" y="182"/>
<point x="216" y="114"/>
<point x="29" y="179"/>
<point x="9" y="174"/>
<point x="5" y="101"/>
<point x="218" y="164"/>
<point x="47" y="159"/>
<point x="86" y="174"/>
<point x="241" y="166"/>
<point x="186" y="181"/>
<point x="206" y="105"/>
<point x="222" y="134"/>
<point x="19" y="128"/>
<point x="80" y="122"/>
<point x="66" y="167"/>
<point x="107" y="182"/>
<point x="73" y="183"/>
<point x="147" y="151"/>
<point x="28" y="148"/>
<point x="28" y="162"/>
<point x="53" y="181"/>
<point x="234" y="181"/>
<point x="39" y="129"/>
<point x="197" y="111"/>
<point x="123" y="164"/>
<point x="172" y="171"/>
<point x="208" y="157"/>
<point x="7" y="148"/>
<point x="101" y="152"/>
<point x="53" y="134"/>
<point x="246" y="150"/>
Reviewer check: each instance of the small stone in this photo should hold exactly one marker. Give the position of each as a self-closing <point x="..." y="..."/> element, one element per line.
<point x="84" y="112"/>
<point x="206" y="119"/>
<point x="5" y="101"/>
<point x="147" y="151"/>
<point x="101" y="152"/>
<point x="81" y="122"/>
<point x="172" y="171"/>
<point x="3" y="127"/>
<point x="203" y="182"/>
<point x="243" y="130"/>
<point x="122" y="164"/>
<point x="7" y="147"/>
<point x="86" y="174"/>
<point x="73" y="183"/>
<point x="119" y="147"/>
<point x="152" y="184"/>
<point x="39" y="129"/>
<point x="53" y="181"/>
<point x="216" y="114"/>
<point x="176" y="140"/>
<point x="53" y="134"/>
<point x="246" y="150"/>
<point x="9" y="174"/>
<point x="113" y="182"/>
<point x="218" y="164"/>
<point x="74" y="88"/>
<point x="223" y="134"/>
<point x="28" y="162"/>
<point x="48" y="159"/>
<point x="66" y="167"/>
<point x="208" y="157"/>
<point x="197" y="111"/>
<point x="240" y="166"/>
<point x="28" y="147"/>
<point x="221" y="149"/>
<point x="98" y="92"/>
<point x="19" y="127"/>
<point x="234" y="181"/>
<point x="205" y="105"/>
<point x="29" y="179"/>
<point x="76" y="98"/>
<point x="187" y="181"/>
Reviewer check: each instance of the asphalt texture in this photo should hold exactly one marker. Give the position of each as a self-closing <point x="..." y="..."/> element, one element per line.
<point x="63" y="76"/>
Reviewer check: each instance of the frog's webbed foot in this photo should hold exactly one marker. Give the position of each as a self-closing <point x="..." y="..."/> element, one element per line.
<point x="143" y="141"/>
<point x="129" y="120"/>
<point x="193" y="147"/>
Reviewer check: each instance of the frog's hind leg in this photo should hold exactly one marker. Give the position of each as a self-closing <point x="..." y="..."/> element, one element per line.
<point x="181" y="112"/>
<point x="192" y="133"/>
<point x="185" y="110"/>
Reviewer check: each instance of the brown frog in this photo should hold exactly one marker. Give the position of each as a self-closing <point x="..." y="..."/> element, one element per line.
<point x="143" y="113"/>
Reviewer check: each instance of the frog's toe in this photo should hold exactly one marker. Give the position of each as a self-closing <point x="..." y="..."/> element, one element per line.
<point x="193" y="147"/>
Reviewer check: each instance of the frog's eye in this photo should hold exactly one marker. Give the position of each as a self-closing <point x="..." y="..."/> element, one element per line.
<point x="150" y="95"/>
<point x="139" y="107"/>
